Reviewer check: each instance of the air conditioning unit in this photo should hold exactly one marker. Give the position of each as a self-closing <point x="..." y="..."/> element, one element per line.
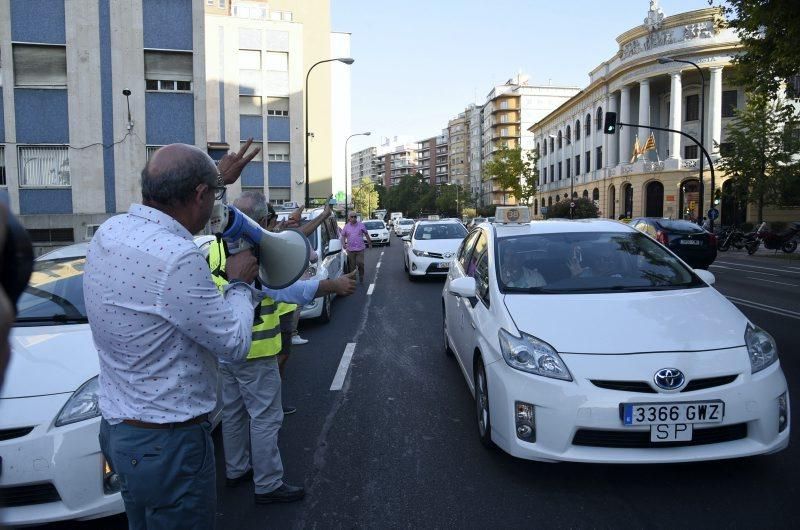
<point x="90" y="230"/>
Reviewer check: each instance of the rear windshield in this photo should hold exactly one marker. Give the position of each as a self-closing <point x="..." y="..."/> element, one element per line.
<point x="406" y="222"/>
<point x="679" y="226"/>
<point x="374" y="225"/>
<point x="440" y="231"/>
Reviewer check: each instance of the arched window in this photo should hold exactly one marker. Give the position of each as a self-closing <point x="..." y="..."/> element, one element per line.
<point x="578" y="130"/>
<point x="549" y="201"/>
<point x="569" y="135"/>
<point x="585" y="194"/>
<point x="559" y="139"/>
<point x="574" y="195"/>
<point x="558" y="198"/>
<point x="544" y="151"/>
<point x="565" y="195"/>
<point x="551" y="145"/>
<point x="543" y="203"/>
<point x="535" y="208"/>
<point x="595" y="194"/>
<point x="538" y="147"/>
<point x="588" y="125"/>
<point x="599" y="118"/>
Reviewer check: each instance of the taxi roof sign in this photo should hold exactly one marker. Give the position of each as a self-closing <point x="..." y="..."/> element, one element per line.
<point x="512" y="214"/>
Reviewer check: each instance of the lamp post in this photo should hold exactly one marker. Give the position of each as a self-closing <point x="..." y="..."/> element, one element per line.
<point x="571" y="189"/>
<point x="457" y="186"/>
<point x="346" y="176"/>
<point x="345" y="60"/>
<point x="667" y="60"/>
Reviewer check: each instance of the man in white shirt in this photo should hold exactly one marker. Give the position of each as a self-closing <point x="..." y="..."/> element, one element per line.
<point x="159" y="325"/>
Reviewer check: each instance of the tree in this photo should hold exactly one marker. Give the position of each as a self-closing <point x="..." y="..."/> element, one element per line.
<point x="365" y="197"/>
<point x="514" y="172"/>
<point x="770" y="34"/>
<point x="584" y="209"/>
<point x="450" y="200"/>
<point x="762" y="162"/>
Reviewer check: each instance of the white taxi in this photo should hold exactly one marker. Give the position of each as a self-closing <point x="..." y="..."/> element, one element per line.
<point x="431" y="246"/>
<point x="378" y="232"/>
<point x="581" y="341"/>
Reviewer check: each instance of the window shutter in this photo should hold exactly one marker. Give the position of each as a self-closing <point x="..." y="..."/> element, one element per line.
<point x="40" y="65"/>
<point x="167" y="66"/>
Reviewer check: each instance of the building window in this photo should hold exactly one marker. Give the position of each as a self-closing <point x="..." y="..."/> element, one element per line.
<point x="598" y="158"/>
<point x="544" y="176"/>
<point x="559" y="139"/>
<point x="250" y="105"/>
<point x="569" y="135"/>
<point x="726" y="148"/>
<point x="544" y="146"/>
<point x="559" y="171"/>
<point x="552" y="143"/>
<point x="569" y="168"/>
<point x="598" y="119"/>
<point x="168" y="71"/>
<point x="577" y="165"/>
<point x="552" y="173"/>
<point x="588" y="163"/>
<point x="40" y="65"/>
<point x="3" y="166"/>
<point x="504" y="104"/>
<point x="276" y="61"/>
<point x="150" y="150"/>
<point x="277" y="106"/>
<point x="588" y="125"/>
<point x="690" y="152"/>
<point x="43" y="166"/>
<point x="729" y="103"/>
<point x="278" y="151"/>
<point x="692" y="107"/>
<point x="249" y="60"/>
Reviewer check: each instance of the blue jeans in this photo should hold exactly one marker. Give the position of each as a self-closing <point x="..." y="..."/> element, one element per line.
<point x="168" y="476"/>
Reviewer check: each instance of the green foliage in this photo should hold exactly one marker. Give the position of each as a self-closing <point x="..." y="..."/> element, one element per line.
<point x="450" y="200"/>
<point x="514" y="171"/>
<point x="487" y="211"/>
<point x="763" y="161"/>
<point x="365" y="198"/>
<point x="584" y="209"/>
<point x="412" y="196"/>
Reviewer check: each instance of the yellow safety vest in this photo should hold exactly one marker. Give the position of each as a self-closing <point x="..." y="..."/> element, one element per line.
<point x="266" y="340"/>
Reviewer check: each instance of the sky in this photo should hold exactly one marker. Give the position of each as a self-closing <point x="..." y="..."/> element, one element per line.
<point x="419" y="63"/>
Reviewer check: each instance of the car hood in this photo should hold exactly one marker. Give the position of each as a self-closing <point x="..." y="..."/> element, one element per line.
<point x="437" y="245"/>
<point x="49" y="360"/>
<point x="618" y="323"/>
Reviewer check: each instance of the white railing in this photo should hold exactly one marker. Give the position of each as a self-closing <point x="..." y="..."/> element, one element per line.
<point x="43" y="166"/>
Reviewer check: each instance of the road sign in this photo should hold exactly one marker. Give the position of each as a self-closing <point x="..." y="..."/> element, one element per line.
<point x="713" y="214"/>
<point x="572" y="204"/>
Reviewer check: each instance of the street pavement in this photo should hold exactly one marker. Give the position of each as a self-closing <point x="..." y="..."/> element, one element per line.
<point x="397" y="445"/>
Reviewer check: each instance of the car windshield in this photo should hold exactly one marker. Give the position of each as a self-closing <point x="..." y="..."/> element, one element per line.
<point x="588" y="262"/>
<point x="440" y="231"/>
<point x="679" y="226"/>
<point x="54" y="293"/>
<point x="374" y="225"/>
<point x="406" y="222"/>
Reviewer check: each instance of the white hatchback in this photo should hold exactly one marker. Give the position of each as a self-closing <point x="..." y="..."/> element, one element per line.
<point x="431" y="246"/>
<point x="378" y="232"/>
<point x="588" y="341"/>
<point x="403" y="227"/>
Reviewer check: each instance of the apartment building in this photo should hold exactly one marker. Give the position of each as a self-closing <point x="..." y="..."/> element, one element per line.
<point x="474" y="153"/>
<point x="396" y="161"/>
<point x="458" y="149"/>
<point x="433" y="158"/>
<point x="72" y="143"/>
<point x="363" y="165"/>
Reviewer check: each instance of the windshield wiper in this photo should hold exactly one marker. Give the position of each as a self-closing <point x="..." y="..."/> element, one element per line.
<point x="59" y="319"/>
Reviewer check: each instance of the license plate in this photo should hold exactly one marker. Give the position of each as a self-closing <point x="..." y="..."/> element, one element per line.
<point x="679" y="432"/>
<point x="443" y="265"/>
<point x="694" y="242"/>
<point x="672" y="413"/>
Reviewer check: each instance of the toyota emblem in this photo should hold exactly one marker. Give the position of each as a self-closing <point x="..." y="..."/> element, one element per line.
<point x="448" y="254"/>
<point x="669" y="378"/>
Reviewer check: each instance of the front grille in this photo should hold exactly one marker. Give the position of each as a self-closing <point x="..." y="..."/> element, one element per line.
<point x="28" y="495"/>
<point x="625" y="386"/>
<point x="435" y="255"/>
<point x="641" y="439"/>
<point x="18" y="432"/>
<point x="709" y="382"/>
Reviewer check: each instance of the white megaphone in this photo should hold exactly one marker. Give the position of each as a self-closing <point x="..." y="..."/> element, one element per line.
<point x="282" y="257"/>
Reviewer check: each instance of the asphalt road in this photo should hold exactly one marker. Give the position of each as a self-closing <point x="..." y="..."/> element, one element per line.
<point x="397" y="446"/>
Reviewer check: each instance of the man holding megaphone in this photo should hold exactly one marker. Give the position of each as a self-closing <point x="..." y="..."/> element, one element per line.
<point x="252" y="412"/>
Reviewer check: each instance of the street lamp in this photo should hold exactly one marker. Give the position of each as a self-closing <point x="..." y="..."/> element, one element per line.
<point x="345" y="60"/>
<point x="346" y="177"/>
<point x="457" y="187"/>
<point x="667" y="60"/>
<point x="571" y="190"/>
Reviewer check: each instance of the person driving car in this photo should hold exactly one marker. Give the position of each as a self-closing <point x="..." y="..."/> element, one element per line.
<point x="516" y="274"/>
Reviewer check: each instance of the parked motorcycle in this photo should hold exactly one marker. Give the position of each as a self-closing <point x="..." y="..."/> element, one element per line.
<point x="784" y="241"/>
<point x="732" y="237"/>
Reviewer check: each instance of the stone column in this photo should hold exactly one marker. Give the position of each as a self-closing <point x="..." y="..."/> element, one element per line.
<point x="714" y="110"/>
<point x="644" y="110"/>
<point x="625" y="134"/>
<point x="675" y="114"/>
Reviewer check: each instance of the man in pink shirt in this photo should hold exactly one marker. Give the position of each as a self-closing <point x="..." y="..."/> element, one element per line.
<point x="353" y="242"/>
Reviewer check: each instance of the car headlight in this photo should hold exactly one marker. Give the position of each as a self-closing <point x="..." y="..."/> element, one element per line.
<point x="419" y="252"/>
<point x="82" y="405"/>
<point x="761" y="348"/>
<point x="532" y="355"/>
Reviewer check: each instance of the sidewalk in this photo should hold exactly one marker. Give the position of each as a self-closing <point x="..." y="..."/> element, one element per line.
<point x="763" y="253"/>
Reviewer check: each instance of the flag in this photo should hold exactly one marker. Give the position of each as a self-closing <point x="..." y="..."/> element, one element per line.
<point x="637" y="150"/>
<point x="650" y="144"/>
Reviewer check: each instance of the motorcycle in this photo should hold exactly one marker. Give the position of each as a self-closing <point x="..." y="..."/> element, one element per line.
<point x="784" y="241"/>
<point x="733" y="237"/>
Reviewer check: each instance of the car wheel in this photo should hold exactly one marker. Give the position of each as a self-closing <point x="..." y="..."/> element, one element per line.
<point x="327" y="306"/>
<point x="447" y="349"/>
<point x="482" y="407"/>
<point x="752" y="247"/>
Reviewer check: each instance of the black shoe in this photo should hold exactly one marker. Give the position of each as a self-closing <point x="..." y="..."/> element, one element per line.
<point x="232" y="482"/>
<point x="285" y="493"/>
<point x="289" y="410"/>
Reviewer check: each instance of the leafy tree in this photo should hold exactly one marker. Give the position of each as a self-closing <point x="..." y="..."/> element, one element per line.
<point x="584" y="209"/>
<point x="449" y="201"/>
<point x="514" y="171"/>
<point x="365" y="197"/>
<point x="763" y="162"/>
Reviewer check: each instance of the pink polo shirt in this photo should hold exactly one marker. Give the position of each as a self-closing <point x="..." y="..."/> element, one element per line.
<point x="351" y="234"/>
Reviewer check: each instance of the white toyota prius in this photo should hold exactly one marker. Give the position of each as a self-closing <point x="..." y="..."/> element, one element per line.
<point x="588" y="341"/>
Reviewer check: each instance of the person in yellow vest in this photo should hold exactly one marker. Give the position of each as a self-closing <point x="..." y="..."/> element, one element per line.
<point x="252" y="413"/>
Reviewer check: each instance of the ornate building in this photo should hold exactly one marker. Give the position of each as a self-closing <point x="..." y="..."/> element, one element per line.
<point x="643" y="88"/>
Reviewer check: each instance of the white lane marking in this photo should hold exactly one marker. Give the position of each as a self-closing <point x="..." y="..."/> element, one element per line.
<point x="344" y="364"/>
<point x="378" y="265"/>
<point x="765" y="307"/>
<point x="370" y="289"/>
<point x="743" y="270"/>
<point x="759" y="267"/>
<point x="381" y="253"/>
<point x="773" y="281"/>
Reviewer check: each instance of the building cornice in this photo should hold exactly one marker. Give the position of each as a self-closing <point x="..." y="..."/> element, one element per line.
<point x="698" y="15"/>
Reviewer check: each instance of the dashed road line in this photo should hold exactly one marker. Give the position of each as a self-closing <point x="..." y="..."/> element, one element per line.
<point x="764" y="307"/>
<point x="378" y="265"/>
<point x="370" y="289"/>
<point x="742" y="270"/>
<point x="773" y="281"/>
<point x="344" y="364"/>
<point x="759" y="267"/>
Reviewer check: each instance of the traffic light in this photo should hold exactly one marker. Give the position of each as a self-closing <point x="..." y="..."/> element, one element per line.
<point x="717" y="196"/>
<point x="610" y="126"/>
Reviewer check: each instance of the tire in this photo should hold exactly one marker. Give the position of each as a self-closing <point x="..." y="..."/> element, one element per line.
<point x="482" y="407"/>
<point x="724" y="247"/>
<point x="789" y="247"/>
<point x="752" y="247"/>
<point x="327" y="309"/>
<point x="447" y="349"/>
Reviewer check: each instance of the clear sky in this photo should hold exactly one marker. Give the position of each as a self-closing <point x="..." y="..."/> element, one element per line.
<point x="420" y="62"/>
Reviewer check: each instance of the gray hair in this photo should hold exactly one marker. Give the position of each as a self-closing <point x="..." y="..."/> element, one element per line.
<point x="171" y="183"/>
<point x="253" y="204"/>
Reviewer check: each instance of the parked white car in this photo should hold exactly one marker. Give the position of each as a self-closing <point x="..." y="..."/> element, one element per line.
<point x="403" y="227"/>
<point x="431" y="246"/>
<point x="378" y="232"/>
<point x="644" y="381"/>
<point x="331" y="261"/>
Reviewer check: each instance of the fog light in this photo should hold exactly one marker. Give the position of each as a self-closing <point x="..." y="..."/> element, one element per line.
<point x="413" y="266"/>
<point x="525" y="419"/>
<point x="111" y="482"/>
<point x="783" y="412"/>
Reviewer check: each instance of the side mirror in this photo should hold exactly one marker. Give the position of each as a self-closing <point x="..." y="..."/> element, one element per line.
<point x="334" y="246"/>
<point x="407" y="239"/>
<point x="705" y="276"/>
<point x="464" y="287"/>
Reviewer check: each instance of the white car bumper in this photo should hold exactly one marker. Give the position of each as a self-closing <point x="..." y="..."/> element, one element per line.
<point x="51" y="473"/>
<point x="581" y="422"/>
<point x="312" y="310"/>
<point x="426" y="266"/>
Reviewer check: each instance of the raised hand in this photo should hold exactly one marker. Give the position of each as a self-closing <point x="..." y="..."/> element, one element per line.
<point x="232" y="164"/>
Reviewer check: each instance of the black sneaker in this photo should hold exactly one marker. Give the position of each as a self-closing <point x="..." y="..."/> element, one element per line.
<point x="285" y="493"/>
<point x="289" y="410"/>
<point x="233" y="482"/>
